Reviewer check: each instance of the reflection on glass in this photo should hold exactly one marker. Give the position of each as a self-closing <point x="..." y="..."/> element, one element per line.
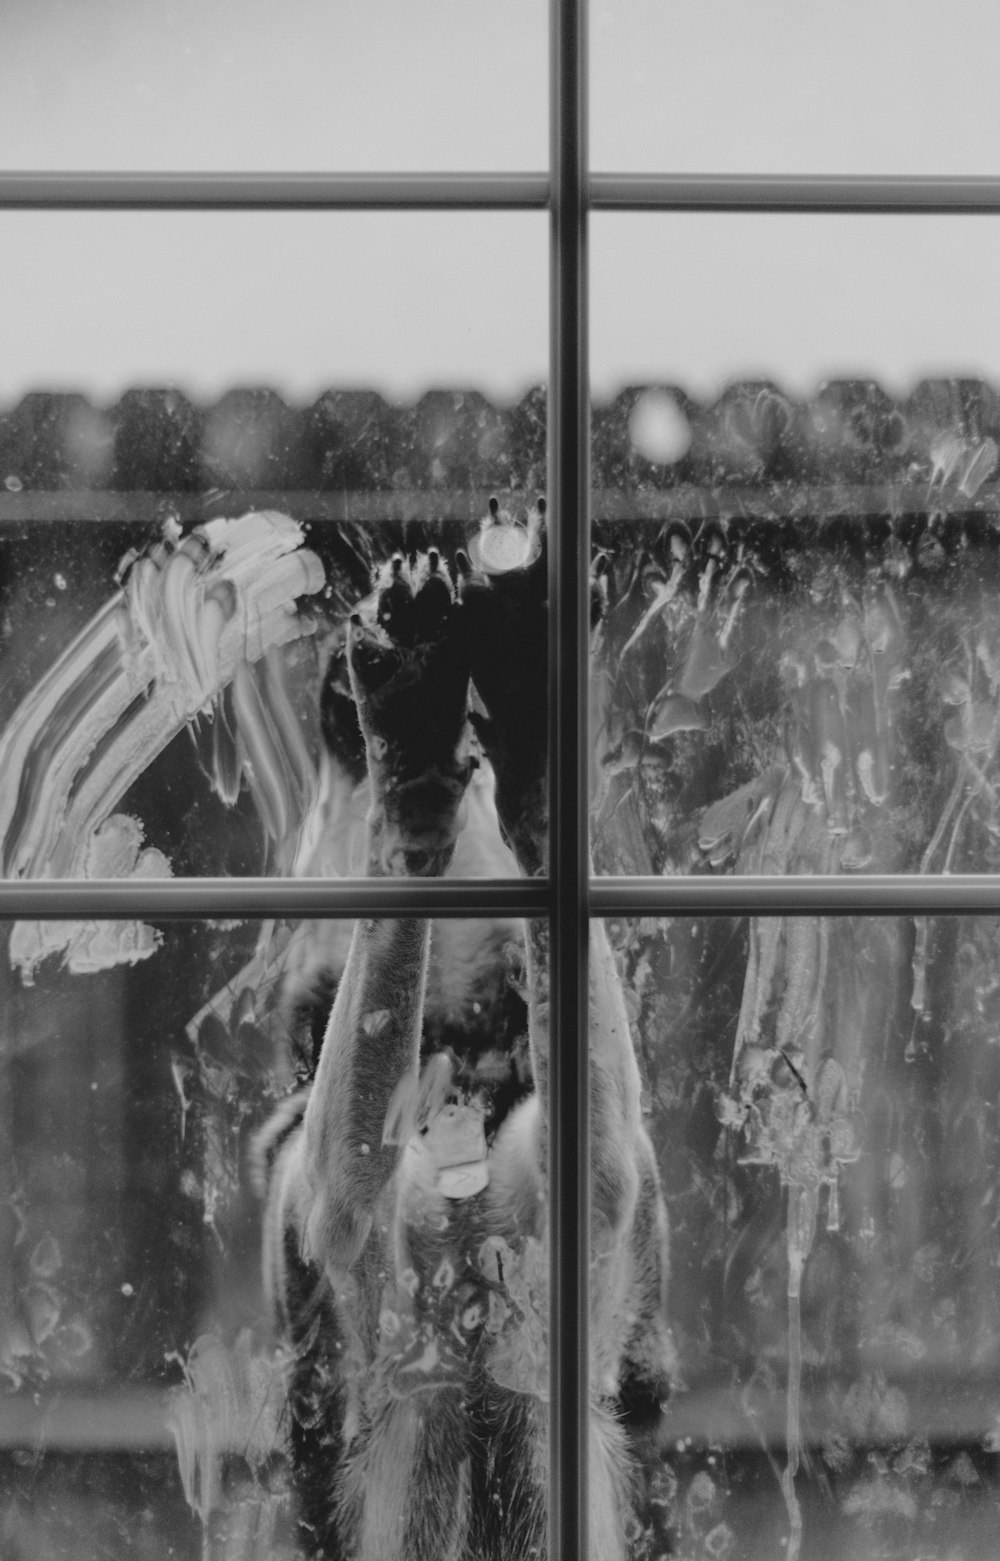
<point x="142" y="1388"/>
<point x="799" y="661"/>
<point x="828" y="1157"/>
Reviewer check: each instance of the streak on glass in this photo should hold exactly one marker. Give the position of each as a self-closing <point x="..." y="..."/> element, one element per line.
<point x="185" y="530"/>
<point x="828" y="1160"/>
<point x="798" y="667"/>
<point x="144" y="1391"/>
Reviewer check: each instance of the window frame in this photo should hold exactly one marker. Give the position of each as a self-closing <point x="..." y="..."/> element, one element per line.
<point x="568" y="896"/>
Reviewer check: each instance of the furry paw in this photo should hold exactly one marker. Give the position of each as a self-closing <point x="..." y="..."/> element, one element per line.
<point x="410" y="675"/>
<point x="504" y="594"/>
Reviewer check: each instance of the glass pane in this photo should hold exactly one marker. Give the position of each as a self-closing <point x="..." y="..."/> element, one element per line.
<point x="248" y="84"/>
<point x="153" y="1126"/>
<point x="797" y="668"/>
<point x="187" y="522"/>
<point x="782" y="88"/>
<point x="827" y="1154"/>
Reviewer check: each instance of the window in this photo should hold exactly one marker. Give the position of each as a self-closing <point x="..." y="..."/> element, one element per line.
<point x="804" y="582"/>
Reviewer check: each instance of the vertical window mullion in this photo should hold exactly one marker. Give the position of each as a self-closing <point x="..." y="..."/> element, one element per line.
<point x="569" y="493"/>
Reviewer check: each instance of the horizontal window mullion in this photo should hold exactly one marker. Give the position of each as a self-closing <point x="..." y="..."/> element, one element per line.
<point x="792" y="193"/>
<point x="856" y="895"/>
<point x="273" y="191"/>
<point x="146" y="506"/>
<point x="164" y="899"/>
<point x="510" y="190"/>
<point x="172" y="898"/>
<point x="824" y="503"/>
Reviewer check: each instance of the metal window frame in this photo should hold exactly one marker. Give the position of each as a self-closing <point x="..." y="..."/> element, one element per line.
<point x="515" y="191"/>
<point x="569" y="897"/>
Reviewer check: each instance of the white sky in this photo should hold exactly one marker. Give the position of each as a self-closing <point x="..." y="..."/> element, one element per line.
<point x="298" y="301"/>
<point x="99" y="302"/>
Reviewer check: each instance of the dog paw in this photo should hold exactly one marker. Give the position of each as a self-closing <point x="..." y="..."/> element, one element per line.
<point x="502" y="583"/>
<point x="410" y="675"/>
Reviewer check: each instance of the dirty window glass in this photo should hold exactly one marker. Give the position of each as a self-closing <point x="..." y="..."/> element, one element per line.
<point x="827" y="1150"/>
<point x="144" y="1403"/>
<point x="131" y="1235"/>
<point x="798" y="666"/>
<point x="191" y="507"/>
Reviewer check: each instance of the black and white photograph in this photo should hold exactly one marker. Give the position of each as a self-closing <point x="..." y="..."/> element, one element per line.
<point x="499" y="780"/>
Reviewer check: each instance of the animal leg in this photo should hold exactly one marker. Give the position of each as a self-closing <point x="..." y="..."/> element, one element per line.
<point x="506" y="631"/>
<point x="410" y="684"/>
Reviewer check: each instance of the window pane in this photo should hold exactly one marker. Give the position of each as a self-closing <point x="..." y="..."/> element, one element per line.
<point x="782" y="88"/>
<point x="303" y="302"/>
<point x="826" y="1148"/>
<point x="187" y="521"/>
<point x="144" y="1393"/>
<point x="797" y="668"/>
<point x="250" y="84"/>
<point x="700" y="299"/>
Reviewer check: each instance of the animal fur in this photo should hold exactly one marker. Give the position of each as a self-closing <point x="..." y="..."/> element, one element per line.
<point x="417" y="1318"/>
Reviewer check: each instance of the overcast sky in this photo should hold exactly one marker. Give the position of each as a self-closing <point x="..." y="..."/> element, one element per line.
<point x="299" y="301"/>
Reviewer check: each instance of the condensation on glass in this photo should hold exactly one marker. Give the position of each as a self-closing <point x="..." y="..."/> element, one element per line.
<point x="777" y="88"/>
<point x="143" y="1397"/>
<point x="241" y="84"/>
<point x="828" y="1155"/>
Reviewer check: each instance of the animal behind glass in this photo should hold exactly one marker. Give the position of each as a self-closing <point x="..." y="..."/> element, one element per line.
<point x="406" y="1248"/>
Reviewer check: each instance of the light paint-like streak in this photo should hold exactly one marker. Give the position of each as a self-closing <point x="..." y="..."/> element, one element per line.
<point x="192" y="616"/>
<point x="115" y="851"/>
<point x="187" y="616"/>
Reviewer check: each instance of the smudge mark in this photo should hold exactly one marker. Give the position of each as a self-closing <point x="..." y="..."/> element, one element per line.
<point x="192" y="616"/>
<point x="271" y="751"/>
<point x="228" y="1410"/>
<point x="114" y="850"/>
